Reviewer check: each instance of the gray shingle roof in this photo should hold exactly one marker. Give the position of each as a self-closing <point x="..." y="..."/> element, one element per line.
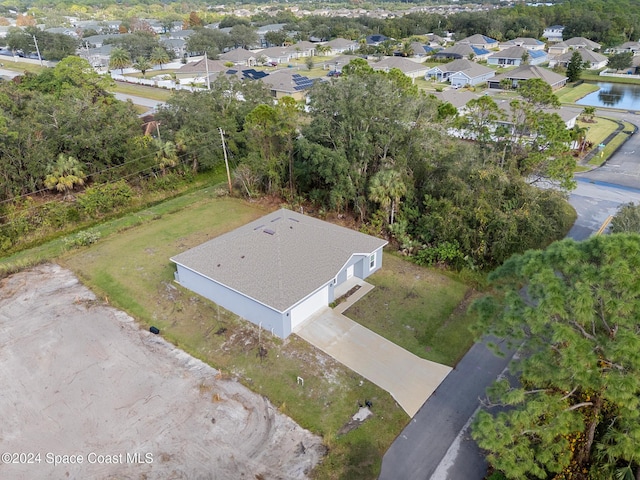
<point x="281" y="268"/>
<point x="526" y="72"/>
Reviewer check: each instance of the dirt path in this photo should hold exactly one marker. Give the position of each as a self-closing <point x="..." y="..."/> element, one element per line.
<point x="81" y="380"/>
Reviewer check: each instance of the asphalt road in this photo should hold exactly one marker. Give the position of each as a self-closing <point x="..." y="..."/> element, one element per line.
<point x="623" y="168"/>
<point x="425" y="442"/>
<point x="436" y="444"/>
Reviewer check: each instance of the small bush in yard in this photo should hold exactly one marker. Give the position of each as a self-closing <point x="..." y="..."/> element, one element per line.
<point x="82" y="239"/>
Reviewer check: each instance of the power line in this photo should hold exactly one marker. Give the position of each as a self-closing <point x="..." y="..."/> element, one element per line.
<point x="129" y="175"/>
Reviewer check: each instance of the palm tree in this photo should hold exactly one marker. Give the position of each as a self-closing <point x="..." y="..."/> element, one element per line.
<point x="589" y="113"/>
<point x="579" y="136"/>
<point x="143" y="65"/>
<point x="64" y="174"/>
<point x="407" y="49"/>
<point x="322" y="49"/>
<point x="159" y="56"/>
<point x="387" y="187"/>
<point x="166" y="155"/>
<point x="119" y="59"/>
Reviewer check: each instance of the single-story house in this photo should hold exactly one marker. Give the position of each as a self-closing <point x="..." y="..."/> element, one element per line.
<point x="303" y="49"/>
<point x="581" y="42"/>
<point x="514" y="57"/>
<point x="376" y="39"/>
<point x="341" y="45"/>
<point x="527" y="72"/>
<point x="278" y="270"/>
<point x="569" y="115"/>
<point x="410" y="68"/>
<point x="460" y="72"/>
<point x="479" y="41"/>
<point x="196" y="72"/>
<point x="98" y="57"/>
<point x="463" y="51"/>
<point x="626" y="47"/>
<point x="420" y="50"/>
<point x="276" y="54"/>
<point x="525" y="42"/>
<point x="553" y="33"/>
<point x="573" y="43"/>
<point x="593" y="60"/>
<point x="98" y="40"/>
<point x="287" y="83"/>
<point x="436" y="40"/>
<point x="239" y="56"/>
<point x="175" y="45"/>
<point x="457" y="98"/>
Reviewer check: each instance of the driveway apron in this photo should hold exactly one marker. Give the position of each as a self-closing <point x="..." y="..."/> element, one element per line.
<point x="408" y="378"/>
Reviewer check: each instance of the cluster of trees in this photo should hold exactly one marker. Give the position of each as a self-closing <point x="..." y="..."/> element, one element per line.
<point x="387" y="157"/>
<point x="572" y="406"/>
<point x="53" y="46"/>
<point x="60" y="129"/>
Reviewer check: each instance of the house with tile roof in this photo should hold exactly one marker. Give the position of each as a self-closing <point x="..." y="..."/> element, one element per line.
<point x="279" y="270"/>
<point x="516" y="56"/>
<point x="527" y="72"/>
<point x="460" y="73"/>
<point x="593" y="60"/>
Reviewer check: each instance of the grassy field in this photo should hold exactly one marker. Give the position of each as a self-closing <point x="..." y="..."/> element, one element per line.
<point x="141" y="283"/>
<point x="21" y="67"/>
<point x="597" y="78"/>
<point x="152" y="93"/>
<point x="416" y="308"/>
<point x="613" y="144"/>
<point x="571" y="93"/>
<point x="599" y="130"/>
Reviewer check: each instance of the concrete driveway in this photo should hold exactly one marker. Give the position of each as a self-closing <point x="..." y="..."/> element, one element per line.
<point x="409" y="379"/>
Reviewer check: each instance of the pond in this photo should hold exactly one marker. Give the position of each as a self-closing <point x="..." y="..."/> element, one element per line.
<point x="613" y="95"/>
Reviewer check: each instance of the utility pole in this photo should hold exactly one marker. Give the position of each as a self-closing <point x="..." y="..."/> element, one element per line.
<point x="226" y="160"/>
<point x="206" y="66"/>
<point x="37" y="49"/>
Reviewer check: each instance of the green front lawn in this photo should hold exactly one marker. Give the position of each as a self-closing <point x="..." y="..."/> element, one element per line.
<point x="417" y="308"/>
<point x="571" y="93"/>
<point x="153" y="93"/>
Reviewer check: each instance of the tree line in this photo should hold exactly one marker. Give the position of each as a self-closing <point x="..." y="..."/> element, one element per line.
<point x="388" y="158"/>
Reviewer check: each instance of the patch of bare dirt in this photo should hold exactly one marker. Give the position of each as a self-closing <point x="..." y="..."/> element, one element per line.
<point x="80" y="380"/>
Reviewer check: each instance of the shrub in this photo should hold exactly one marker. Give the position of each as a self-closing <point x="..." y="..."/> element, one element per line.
<point x="105" y="198"/>
<point x="82" y="239"/>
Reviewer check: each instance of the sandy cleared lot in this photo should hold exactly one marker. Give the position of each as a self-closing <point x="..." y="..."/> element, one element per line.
<point x="80" y="382"/>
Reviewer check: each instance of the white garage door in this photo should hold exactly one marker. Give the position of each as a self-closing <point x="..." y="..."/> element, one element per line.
<point x="310" y="306"/>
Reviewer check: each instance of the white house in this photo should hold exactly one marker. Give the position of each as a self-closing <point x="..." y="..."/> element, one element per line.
<point x="460" y="72"/>
<point x="593" y="60"/>
<point x="278" y="270"/>
<point x="553" y="33"/>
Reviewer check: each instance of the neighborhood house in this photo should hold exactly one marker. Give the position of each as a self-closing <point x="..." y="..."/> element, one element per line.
<point x="279" y="270"/>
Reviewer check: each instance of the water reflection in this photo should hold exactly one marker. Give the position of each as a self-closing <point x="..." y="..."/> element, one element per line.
<point x="616" y="95"/>
<point x="612" y="96"/>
